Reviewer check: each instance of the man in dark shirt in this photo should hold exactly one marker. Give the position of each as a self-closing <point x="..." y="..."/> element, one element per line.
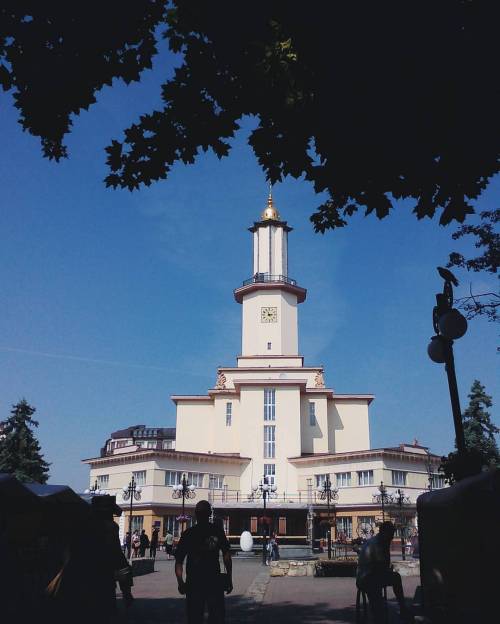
<point x="204" y="585"/>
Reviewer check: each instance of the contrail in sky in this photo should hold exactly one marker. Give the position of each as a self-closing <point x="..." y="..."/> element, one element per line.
<point x="77" y="358"/>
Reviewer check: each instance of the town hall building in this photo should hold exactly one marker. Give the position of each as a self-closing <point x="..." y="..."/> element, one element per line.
<point x="268" y="419"/>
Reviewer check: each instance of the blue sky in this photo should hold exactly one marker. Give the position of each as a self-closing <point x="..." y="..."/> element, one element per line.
<point x="113" y="301"/>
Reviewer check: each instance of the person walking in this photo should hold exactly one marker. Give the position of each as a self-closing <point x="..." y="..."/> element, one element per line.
<point x="153" y="545"/>
<point x="136" y="544"/>
<point x="204" y="586"/>
<point x="143" y="543"/>
<point x="169" y="544"/>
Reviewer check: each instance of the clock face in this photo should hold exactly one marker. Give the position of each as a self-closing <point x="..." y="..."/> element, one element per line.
<point x="269" y="315"/>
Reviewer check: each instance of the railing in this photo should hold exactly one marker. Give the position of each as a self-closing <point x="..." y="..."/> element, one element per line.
<point x="260" y="278"/>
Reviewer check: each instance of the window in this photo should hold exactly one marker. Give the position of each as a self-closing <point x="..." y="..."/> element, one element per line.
<point x="269" y="404"/>
<point x="320" y="480"/>
<point x="437" y="481"/>
<point x="173" y="525"/>
<point x="270" y="473"/>
<point x="195" y="478"/>
<point x="140" y="444"/>
<point x="102" y="482"/>
<point x="173" y="477"/>
<point x="229" y="414"/>
<point x="121" y="443"/>
<point x="167" y="444"/>
<point x="365" y="477"/>
<point x="151" y="444"/>
<point x="312" y="414"/>
<point x="269" y="346"/>
<point x="343" y="479"/>
<point x="216" y="482"/>
<point x="137" y="522"/>
<point x="139" y="477"/>
<point x="398" y="477"/>
<point x="269" y="441"/>
<point x="344" y="525"/>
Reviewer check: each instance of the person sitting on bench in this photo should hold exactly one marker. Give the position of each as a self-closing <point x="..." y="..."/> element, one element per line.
<point x="375" y="572"/>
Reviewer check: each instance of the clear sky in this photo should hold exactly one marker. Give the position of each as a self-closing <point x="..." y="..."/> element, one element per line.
<point x="113" y="301"/>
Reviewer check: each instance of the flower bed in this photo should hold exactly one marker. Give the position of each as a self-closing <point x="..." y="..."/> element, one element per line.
<point x="332" y="567"/>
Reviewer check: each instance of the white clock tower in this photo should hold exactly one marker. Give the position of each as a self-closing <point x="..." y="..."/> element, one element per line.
<point x="270" y="298"/>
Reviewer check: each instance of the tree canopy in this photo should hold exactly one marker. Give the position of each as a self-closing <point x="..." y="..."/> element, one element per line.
<point x="19" y="449"/>
<point x="369" y="101"/>
<point x="479" y="433"/>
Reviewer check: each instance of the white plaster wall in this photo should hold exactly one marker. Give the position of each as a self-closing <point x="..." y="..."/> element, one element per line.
<point x="283" y="334"/>
<point x="269" y="362"/>
<point x="314" y="439"/>
<point x="348" y="425"/>
<point x="195" y="427"/>
<point x="226" y="439"/>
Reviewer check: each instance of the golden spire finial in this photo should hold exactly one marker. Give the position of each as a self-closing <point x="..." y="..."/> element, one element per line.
<point x="270" y="212"/>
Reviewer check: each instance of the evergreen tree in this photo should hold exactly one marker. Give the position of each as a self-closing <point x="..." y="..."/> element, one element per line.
<point x="19" y="449"/>
<point x="479" y="431"/>
<point x="479" y="434"/>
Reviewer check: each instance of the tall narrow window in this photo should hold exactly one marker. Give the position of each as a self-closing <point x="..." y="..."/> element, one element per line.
<point x="270" y="473"/>
<point x="365" y="477"/>
<point x="312" y="414"/>
<point x="269" y="404"/>
<point x="269" y="346"/>
<point x="229" y="414"/>
<point x="398" y="477"/>
<point x="103" y="481"/>
<point x="343" y="479"/>
<point x="269" y="441"/>
<point x="140" y="477"/>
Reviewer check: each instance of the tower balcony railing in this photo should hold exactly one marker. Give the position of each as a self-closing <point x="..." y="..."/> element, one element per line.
<point x="263" y="278"/>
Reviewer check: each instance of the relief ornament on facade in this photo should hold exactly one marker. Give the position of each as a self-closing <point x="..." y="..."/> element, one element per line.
<point x="319" y="380"/>
<point x="220" y="384"/>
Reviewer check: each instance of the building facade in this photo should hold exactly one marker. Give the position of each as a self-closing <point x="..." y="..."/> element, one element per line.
<point x="269" y="418"/>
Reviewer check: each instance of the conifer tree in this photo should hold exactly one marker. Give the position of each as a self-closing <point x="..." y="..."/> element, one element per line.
<point x="479" y="433"/>
<point x="19" y="449"/>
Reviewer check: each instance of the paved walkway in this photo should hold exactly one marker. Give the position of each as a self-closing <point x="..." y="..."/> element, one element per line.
<point x="256" y="597"/>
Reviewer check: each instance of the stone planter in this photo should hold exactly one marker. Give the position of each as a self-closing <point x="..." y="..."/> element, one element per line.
<point x="292" y="568"/>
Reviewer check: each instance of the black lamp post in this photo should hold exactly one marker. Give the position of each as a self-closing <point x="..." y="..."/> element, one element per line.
<point x="264" y="490"/>
<point x="183" y="490"/>
<point x="94" y="490"/>
<point x="382" y="498"/>
<point x="401" y="500"/>
<point x="449" y="325"/>
<point x="131" y="491"/>
<point x="325" y="492"/>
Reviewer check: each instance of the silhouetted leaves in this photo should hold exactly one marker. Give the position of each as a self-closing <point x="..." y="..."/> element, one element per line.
<point x="370" y="102"/>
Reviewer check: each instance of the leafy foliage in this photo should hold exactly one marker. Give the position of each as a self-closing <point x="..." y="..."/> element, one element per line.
<point x="479" y="433"/>
<point x="370" y="102"/>
<point x="488" y="241"/>
<point x="19" y="449"/>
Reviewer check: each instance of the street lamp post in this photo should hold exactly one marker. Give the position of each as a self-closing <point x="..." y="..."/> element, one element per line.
<point x="94" y="490"/>
<point x="183" y="490"/>
<point x="449" y="325"/>
<point x="382" y="498"/>
<point x="326" y="492"/>
<point x="264" y="490"/>
<point x="131" y="491"/>
<point x="401" y="500"/>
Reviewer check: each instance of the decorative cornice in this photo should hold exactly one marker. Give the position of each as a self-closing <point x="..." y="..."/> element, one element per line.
<point x="190" y="397"/>
<point x="370" y="453"/>
<point x="149" y="454"/>
<point x="239" y="293"/>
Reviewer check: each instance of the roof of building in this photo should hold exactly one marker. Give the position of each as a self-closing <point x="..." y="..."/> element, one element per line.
<point x="144" y="454"/>
<point x="163" y="432"/>
<point x="388" y="451"/>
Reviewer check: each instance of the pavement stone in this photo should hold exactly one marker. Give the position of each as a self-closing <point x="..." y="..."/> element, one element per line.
<point x="256" y="598"/>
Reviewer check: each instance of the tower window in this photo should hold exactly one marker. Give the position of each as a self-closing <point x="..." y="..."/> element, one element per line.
<point x="270" y="473"/>
<point x="269" y="404"/>
<point x="229" y="414"/>
<point x="269" y="441"/>
<point x="312" y="414"/>
<point x="269" y="346"/>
